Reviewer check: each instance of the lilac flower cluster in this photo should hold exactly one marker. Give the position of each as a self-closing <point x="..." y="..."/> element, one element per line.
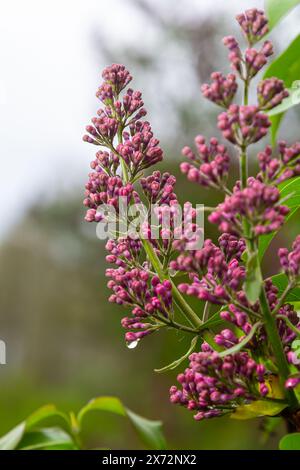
<point x="146" y="295"/>
<point x="252" y="62"/>
<point x="254" y="24"/>
<point x="209" y="166"/>
<point x="243" y="322"/>
<point x="123" y="252"/>
<point x="290" y="262"/>
<point x="213" y="386"/>
<point x="243" y="125"/>
<point x="159" y="188"/>
<point x="275" y="170"/>
<point x="259" y="203"/>
<point x="222" y="90"/>
<point x="215" y="272"/>
<point x="140" y="149"/>
<point x="104" y="189"/>
<point x="215" y="383"/>
<point x="271" y="92"/>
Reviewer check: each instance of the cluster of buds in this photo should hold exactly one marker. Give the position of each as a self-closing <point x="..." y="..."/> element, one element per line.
<point x="159" y="188"/>
<point x="270" y="93"/>
<point x="214" y="273"/>
<point x="213" y="386"/>
<point x="123" y="252"/>
<point x="290" y="261"/>
<point x="252" y="62"/>
<point x="140" y="149"/>
<point x="104" y="189"/>
<point x="254" y="25"/>
<point x="116" y="77"/>
<point x="103" y="130"/>
<point x="222" y="90"/>
<point x="149" y="299"/>
<point x="275" y="170"/>
<point x="243" y="125"/>
<point x="258" y="202"/>
<point x="106" y="161"/>
<point x="243" y="323"/>
<point x="210" y="165"/>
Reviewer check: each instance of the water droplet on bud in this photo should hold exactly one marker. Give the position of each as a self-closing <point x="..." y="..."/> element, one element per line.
<point x="132" y="344"/>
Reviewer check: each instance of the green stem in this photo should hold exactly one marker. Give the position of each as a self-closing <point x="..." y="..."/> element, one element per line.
<point x="179" y="300"/>
<point x="246" y="92"/>
<point x="275" y="340"/>
<point x="269" y="320"/>
<point x="243" y="167"/>
<point x="123" y="164"/>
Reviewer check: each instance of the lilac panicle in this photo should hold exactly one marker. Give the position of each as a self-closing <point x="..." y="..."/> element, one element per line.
<point x="271" y="92"/>
<point x="243" y="125"/>
<point x="222" y="89"/>
<point x="252" y="62"/>
<point x="140" y="149"/>
<point x="209" y="166"/>
<point x="258" y="202"/>
<point x="213" y="386"/>
<point x="290" y="261"/>
<point x="159" y="188"/>
<point x="214" y="271"/>
<point x="275" y="170"/>
<point x="147" y="296"/>
<point x="254" y="24"/>
<point x="104" y="189"/>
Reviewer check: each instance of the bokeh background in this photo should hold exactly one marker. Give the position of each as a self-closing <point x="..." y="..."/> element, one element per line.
<point x="64" y="340"/>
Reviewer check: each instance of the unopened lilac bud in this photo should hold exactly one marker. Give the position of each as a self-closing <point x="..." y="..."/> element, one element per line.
<point x="292" y="382"/>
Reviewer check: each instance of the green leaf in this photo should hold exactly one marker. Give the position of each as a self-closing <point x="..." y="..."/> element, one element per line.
<point x="281" y="282"/>
<point x="292" y="100"/>
<point x="149" y="431"/>
<point x="259" y="408"/>
<point x="253" y="282"/>
<point x="287" y="188"/>
<point x="275" y="122"/>
<point x="47" y="439"/>
<point x="176" y="363"/>
<point x="111" y="404"/>
<point x="287" y="68"/>
<point x="11" y="440"/>
<point x="276" y="114"/>
<point x="290" y="442"/>
<point x="287" y="65"/>
<point x="276" y="10"/>
<point x="43" y="413"/>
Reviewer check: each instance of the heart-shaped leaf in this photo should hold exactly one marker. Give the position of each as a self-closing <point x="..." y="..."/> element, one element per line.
<point x="287" y="68"/>
<point x="149" y="431"/>
<point x="11" y="440"/>
<point x="287" y="188"/>
<point x="290" y="442"/>
<point x="281" y="282"/>
<point x="258" y="408"/>
<point x="47" y="439"/>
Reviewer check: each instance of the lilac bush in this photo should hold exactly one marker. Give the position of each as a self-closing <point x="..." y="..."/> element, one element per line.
<point x="247" y="344"/>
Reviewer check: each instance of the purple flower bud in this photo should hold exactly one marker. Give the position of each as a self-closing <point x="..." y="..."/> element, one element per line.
<point x="254" y="24"/>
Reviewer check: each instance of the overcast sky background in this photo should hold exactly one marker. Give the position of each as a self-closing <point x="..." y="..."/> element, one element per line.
<point x="49" y="75"/>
